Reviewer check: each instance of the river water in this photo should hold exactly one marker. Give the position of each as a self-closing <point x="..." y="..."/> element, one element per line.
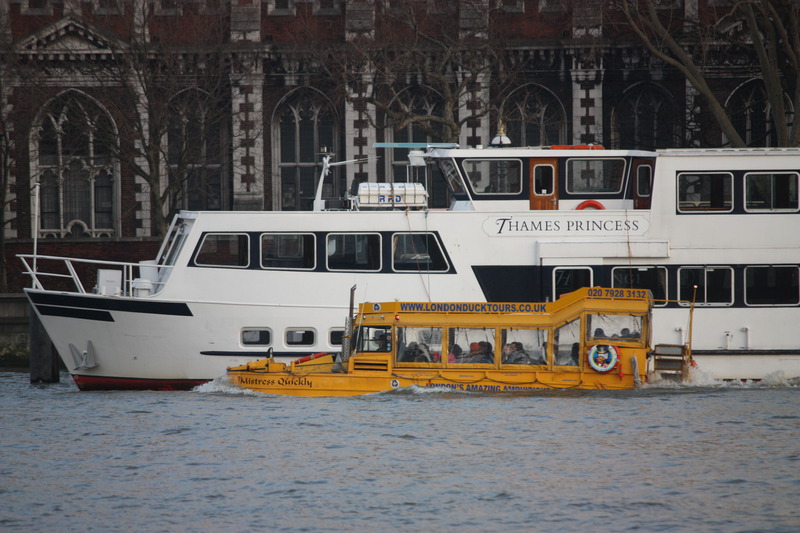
<point x="711" y="457"/>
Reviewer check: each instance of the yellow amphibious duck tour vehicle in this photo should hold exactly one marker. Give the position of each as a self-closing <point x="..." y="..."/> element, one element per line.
<point x="593" y="338"/>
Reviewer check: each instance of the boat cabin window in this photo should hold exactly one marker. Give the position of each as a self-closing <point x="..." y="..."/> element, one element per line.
<point x="374" y="339"/>
<point x="256" y="337"/>
<point x="714" y="285"/>
<point x="771" y="192"/>
<point x="566" y="343"/>
<point x="595" y="176"/>
<point x="494" y="176"/>
<point x="417" y="252"/>
<point x="335" y="337"/>
<point x="711" y="191"/>
<point x="644" y="180"/>
<point x="623" y="328"/>
<point x="286" y="250"/>
<point x="354" y="251"/>
<point x="524" y="347"/>
<point x="772" y="285"/>
<point x="571" y="279"/>
<point x="300" y="337"/>
<point x="224" y="249"/>
<point x="543" y="180"/>
<point x="651" y="278"/>
<point x="450" y="173"/>
<point x="471" y="345"/>
<point x="419" y="344"/>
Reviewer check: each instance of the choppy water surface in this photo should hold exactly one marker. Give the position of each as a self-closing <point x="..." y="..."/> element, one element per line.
<point x="717" y="457"/>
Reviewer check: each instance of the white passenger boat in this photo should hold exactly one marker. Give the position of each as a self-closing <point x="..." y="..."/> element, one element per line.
<point x="525" y="224"/>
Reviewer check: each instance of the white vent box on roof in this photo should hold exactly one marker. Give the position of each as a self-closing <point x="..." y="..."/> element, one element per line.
<point x="392" y="195"/>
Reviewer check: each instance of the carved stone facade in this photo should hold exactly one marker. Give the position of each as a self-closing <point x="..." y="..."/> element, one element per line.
<point x="272" y="108"/>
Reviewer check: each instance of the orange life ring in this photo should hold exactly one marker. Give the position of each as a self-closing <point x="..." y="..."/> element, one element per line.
<point x="603" y="357"/>
<point x="591" y="204"/>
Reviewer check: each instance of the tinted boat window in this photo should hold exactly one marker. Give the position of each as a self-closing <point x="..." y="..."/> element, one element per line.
<point x="281" y="250"/>
<point x="300" y="337"/>
<point x="705" y="192"/>
<point x="714" y="285"/>
<point x="417" y="252"/>
<point x="641" y="277"/>
<point x="771" y="192"/>
<point x="596" y="176"/>
<point x="772" y="285"/>
<point x="224" y="249"/>
<point x="570" y="279"/>
<point x="354" y="251"/>
<point x="256" y="337"/>
<point x="494" y="176"/>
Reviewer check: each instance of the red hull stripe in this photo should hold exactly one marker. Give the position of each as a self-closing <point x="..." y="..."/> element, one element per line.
<point x="86" y="383"/>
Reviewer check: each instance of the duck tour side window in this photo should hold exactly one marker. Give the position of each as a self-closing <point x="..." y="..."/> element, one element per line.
<point x="771" y="192"/>
<point x="714" y="285"/>
<point x="595" y="176"/>
<point x="707" y="192"/>
<point x="225" y="250"/>
<point x="419" y="344"/>
<point x="471" y="345"/>
<point x="354" y="251"/>
<point x="524" y="347"/>
<point x="772" y="285"/>
<point x="613" y="328"/>
<point x="417" y="252"/>
<point x="567" y="344"/>
<point x="374" y="339"/>
<point x="287" y="250"/>
<point x="494" y="176"/>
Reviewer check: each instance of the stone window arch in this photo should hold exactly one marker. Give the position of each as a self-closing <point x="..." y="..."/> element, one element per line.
<point x="197" y="140"/>
<point x="751" y="114"/>
<point x="646" y="118"/>
<point x="534" y="116"/>
<point x="304" y="123"/>
<point x="73" y="147"/>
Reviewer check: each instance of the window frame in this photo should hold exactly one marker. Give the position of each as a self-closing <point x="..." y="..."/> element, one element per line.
<point x="569" y="176"/>
<point x="750" y="268"/>
<point x="772" y="174"/>
<point x="431" y="236"/>
<point x="281" y="234"/>
<point x="303" y="331"/>
<point x="244" y="344"/>
<point x="214" y="233"/>
<point x="704" y="302"/>
<point x="379" y="248"/>
<point x="493" y="177"/>
<point x="708" y="210"/>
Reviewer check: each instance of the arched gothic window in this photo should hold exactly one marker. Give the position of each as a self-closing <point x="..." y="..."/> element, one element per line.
<point x="305" y="123"/>
<point x="646" y="118"/>
<point x="78" y="177"/>
<point x="196" y="144"/>
<point x="750" y="112"/>
<point x="419" y="101"/>
<point x="533" y="116"/>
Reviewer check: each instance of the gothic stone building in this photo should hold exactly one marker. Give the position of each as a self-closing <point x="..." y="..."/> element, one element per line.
<point x="117" y="113"/>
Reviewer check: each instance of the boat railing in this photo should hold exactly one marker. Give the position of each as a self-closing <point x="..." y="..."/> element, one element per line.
<point x="109" y="278"/>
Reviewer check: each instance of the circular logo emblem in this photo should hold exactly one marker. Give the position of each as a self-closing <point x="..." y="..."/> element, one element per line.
<point x="395" y="383"/>
<point x="376" y="307"/>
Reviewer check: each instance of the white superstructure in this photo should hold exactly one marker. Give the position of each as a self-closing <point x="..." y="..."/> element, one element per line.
<point x="525" y="224"/>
